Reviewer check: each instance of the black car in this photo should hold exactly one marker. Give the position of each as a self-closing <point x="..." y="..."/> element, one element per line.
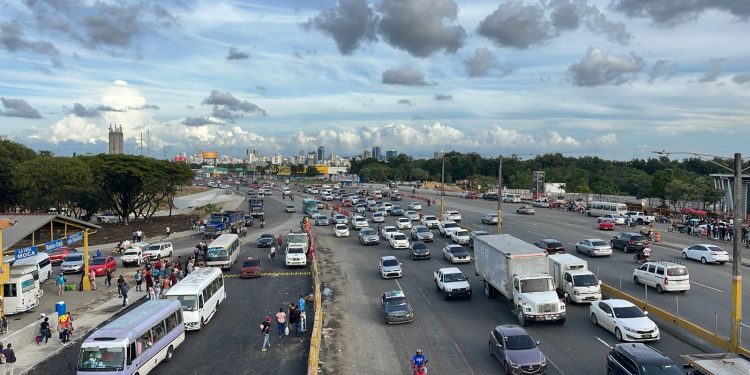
<point x="551" y="246"/>
<point x="248" y="221"/>
<point x="419" y="250"/>
<point x="396" y="210"/>
<point x="265" y="240"/>
<point x="489" y="196"/>
<point x="628" y="241"/>
<point x="639" y="359"/>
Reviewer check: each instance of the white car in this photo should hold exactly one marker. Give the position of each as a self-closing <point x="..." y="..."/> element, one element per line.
<point x="456" y="254"/>
<point x="132" y="255"/>
<point x="706" y="253"/>
<point x="341" y="230"/>
<point x="340" y="219"/>
<point x="403" y="223"/>
<point x="624" y="319"/>
<point x="159" y="250"/>
<point x="460" y="237"/>
<point x="387" y="206"/>
<point x="412" y="215"/>
<point x="594" y="247"/>
<point x="387" y="231"/>
<point x="430" y="221"/>
<point x="452" y="215"/>
<point x="416" y="206"/>
<point x="616" y="218"/>
<point x="378" y="217"/>
<point x="398" y="241"/>
<point x="447" y="227"/>
<point x="359" y="222"/>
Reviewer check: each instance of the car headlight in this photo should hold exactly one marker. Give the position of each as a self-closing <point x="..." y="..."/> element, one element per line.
<point x="577" y="293"/>
<point x="544" y="361"/>
<point x="513" y="364"/>
<point x="629" y="329"/>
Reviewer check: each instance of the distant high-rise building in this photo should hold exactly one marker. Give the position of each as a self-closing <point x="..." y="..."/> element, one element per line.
<point x="390" y="154"/>
<point x="312" y="158"/>
<point x="115" y="140"/>
<point x="366" y="154"/>
<point x="277" y="159"/>
<point x="321" y="153"/>
<point x="376" y="153"/>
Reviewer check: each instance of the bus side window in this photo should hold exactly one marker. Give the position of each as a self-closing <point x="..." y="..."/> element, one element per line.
<point x="131" y="353"/>
<point x="200" y="302"/>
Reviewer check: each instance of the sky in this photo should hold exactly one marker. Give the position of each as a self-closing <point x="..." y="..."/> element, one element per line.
<point x="617" y="79"/>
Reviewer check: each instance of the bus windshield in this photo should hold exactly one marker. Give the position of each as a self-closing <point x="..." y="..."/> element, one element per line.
<point x="101" y="359"/>
<point x="217" y="253"/>
<point x="27" y="285"/>
<point x="188" y="302"/>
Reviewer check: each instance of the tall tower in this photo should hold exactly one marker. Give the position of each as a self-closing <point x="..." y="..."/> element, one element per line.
<point x="115" y="140"/>
<point x="376" y="153"/>
<point x="321" y="154"/>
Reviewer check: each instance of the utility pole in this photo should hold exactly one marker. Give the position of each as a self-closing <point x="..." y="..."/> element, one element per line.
<point x="734" y="332"/>
<point x="499" y="195"/>
<point x="442" y="189"/>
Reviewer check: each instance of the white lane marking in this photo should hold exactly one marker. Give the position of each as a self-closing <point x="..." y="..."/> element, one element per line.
<point x="706" y="286"/>
<point x="463" y="356"/>
<point x="559" y="370"/>
<point x="603" y="342"/>
<point x="538" y="234"/>
<point x="399" y="285"/>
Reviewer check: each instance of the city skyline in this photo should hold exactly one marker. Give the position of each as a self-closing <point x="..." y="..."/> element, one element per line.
<point x="616" y="79"/>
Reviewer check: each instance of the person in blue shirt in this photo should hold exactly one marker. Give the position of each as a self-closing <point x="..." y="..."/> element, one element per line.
<point x="418" y="360"/>
<point x="301" y="304"/>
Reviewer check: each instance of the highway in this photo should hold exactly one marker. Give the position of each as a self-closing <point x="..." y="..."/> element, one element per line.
<point x="230" y="343"/>
<point x="454" y="334"/>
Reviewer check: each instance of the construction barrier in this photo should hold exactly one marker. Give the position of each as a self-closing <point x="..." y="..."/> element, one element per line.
<point x="699" y="332"/>
<point x="313" y="358"/>
<point x="657" y="236"/>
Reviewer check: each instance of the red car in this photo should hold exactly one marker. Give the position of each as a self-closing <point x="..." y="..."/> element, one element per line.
<point x="347" y="203"/>
<point x="250" y="268"/>
<point x="472" y="196"/>
<point x="607" y="225"/>
<point x="58" y="255"/>
<point x="100" y="265"/>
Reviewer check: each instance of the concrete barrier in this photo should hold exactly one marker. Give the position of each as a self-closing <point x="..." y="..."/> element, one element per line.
<point x="313" y="358"/>
<point x="26" y="335"/>
<point x="694" y="331"/>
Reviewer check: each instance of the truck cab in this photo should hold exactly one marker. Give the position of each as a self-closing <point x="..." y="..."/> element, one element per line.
<point x="452" y="283"/>
<point x="575" y="283"/>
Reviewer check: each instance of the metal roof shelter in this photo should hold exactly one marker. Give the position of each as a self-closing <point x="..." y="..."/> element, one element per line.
<point x="28" y="226"/>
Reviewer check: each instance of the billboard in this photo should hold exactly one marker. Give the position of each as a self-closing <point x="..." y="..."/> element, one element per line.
<point x="210" y="154"/>
<point x="322" y="169"/>
<point x="284" y="170"/>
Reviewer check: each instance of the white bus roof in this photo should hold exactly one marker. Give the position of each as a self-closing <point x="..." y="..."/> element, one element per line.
<point x="194" y="282"/>
<point x="32" y="260"/>
<point x="224" y="240"/>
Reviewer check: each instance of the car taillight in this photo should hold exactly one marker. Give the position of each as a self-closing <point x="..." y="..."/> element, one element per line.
<point x="714" y="253"/>
<point x="666" y="280"/>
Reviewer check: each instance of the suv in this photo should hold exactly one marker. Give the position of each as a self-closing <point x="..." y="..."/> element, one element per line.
<point x="628" y="241"/>
<point x="664" y="276"/>
<point x="159" y="250"/>
<point x="639" y="359"/>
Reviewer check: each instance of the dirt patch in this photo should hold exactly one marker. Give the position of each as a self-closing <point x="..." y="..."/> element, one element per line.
<point x="155" y="226"/>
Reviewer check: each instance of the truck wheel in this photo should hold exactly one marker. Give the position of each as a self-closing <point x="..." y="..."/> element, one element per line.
<point x="561" y="321"/>
<point x="568" y="301"/>
<point x="445" y="296"/>
<point x="489" y="290"/>
<point x="521" y="321"/>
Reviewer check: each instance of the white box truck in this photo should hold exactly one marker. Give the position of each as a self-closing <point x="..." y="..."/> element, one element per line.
<point x="575" y="283"/>
<point x="518" y="270"/>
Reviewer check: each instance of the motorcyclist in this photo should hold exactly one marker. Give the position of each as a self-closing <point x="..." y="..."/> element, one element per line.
<point x="645" y="254"/>
<point x="418" y="362"/>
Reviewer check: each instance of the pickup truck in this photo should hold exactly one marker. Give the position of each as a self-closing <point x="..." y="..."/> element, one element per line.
<point x="452" y="283"/>
<point x="640" y="218"/>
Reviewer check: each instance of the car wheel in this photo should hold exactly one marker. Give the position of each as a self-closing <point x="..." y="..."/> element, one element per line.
<point x="635" y="280"/>
<point x="590" y="253"/>
<point x="594" y="320"/>
<point x="659" y="289"/>
<point x="703" y="260"/>
<point x="625" y="248"/>
<point x="618" y="334"/>
<point x="684" y="255"/>
<point x="445" y="296"/>
<point x="492" y="353"/>
<point x="437" y="286"/>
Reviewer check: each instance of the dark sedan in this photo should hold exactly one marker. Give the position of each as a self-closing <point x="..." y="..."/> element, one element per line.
<point x="419" y="250"/>
<point x="516" y="350"/>
<point x="551" y="246"/>
<point x="397" y="211"/>
<point x="265" y="240"/>
<point x="396" y="308"/>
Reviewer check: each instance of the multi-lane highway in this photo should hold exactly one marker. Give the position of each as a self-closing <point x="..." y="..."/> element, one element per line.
<point x="230" y="343"/>
<point x="454" y="334"/>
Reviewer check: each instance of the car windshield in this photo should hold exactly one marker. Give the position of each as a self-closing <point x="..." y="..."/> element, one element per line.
<point x="341" y="227"/>
<point x="390" y="229"/>
<point x="554" y="244"/>
<point x="251" y="263"/>
<point x="189" y="303"/>
<point x="340" y="217"/>
<point x="367" y="232"/>
<point x="430" y="218"/>
<point x="423" y="230"/>
<point x="74" y="258"/>
<point x="462" y="233"/>
<point x="399" y="237"/>
<point x="585" y="280"/>
<point x="404" y="220"/>
<point x="418" y="246"/>
<point x="666" y="369"/>
<point x="519" y="342"/>
<point x="97" y="359"/>
<point x="390" y="263"/>
<point x="154" y="247"/>
<point x="677" y="271"/>
<point x="296" y="238"/>
<point x="628" y="312"/>
<point x="536" y="285"/>
<point x="266" y="236"/>
<point x="97" y="261"/>
<point x="450" y="225"/>
<point x="453" y="277"/>
<point x="131" y="252"/>
<point x="598" y="243"/>
<point x="398" y="303"/>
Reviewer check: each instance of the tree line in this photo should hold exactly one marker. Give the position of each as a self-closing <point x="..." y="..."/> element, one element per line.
<point x="673" y="181"/>
<point x="85" y="185"/>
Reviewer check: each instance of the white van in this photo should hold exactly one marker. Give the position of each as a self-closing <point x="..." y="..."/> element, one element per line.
<point x="20" y="293"/>
<point x="512" y="198"/>
<point x="39" y="262"/>
<point x="158" y="250"/>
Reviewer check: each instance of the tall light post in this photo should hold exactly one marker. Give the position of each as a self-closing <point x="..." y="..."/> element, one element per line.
<point x="736" y="317"/>
<point x="499" y="195"/>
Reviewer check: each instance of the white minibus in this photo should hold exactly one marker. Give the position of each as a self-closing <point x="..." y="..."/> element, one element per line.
<point x="598" y="209"/>
<point x="20" y="293"/>
<point x="223" y="251"/>
<point x="40" y="262"/>
<point x="200" y="294"/>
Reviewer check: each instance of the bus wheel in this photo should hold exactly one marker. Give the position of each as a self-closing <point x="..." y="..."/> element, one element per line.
<point x="169" y="354"/>
<point x="203" y="322"/>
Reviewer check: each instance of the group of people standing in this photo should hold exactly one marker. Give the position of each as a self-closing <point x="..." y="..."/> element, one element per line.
<point x="294" y="318"/>
<point x="161" y="276"/>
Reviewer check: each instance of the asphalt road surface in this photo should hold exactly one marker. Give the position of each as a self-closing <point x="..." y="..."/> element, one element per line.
<point x="230" y="343"/>
<point x="454" y="334"/>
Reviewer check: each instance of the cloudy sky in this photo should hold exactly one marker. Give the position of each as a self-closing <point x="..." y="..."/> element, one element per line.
<point x="612" y="78"/>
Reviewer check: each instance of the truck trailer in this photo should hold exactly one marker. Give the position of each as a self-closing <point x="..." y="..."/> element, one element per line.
<point x="575" y="283"/>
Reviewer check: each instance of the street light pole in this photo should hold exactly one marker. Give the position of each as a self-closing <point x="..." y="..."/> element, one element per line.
<point x="442" y="189"/>
<point x="499" y="195"/>
<point x="734" y="332"/>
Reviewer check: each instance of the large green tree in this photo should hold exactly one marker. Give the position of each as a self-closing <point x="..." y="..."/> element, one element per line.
<point x="11" y="155"/>
<point x="47" y="181"/>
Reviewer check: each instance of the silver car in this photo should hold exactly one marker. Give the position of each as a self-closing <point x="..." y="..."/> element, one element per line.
<point x="421" y="233"/>
<point x="594" y="247"/>
<point x="73" y="263"/>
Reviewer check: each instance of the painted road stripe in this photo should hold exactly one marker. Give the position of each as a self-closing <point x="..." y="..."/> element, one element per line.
<point x="603" y="342"/>
<point x="706" y="286"/>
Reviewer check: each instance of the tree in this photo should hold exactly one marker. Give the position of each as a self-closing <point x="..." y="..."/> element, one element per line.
<point x="605" y="186"/>
<point x="47" y="181"/>
<point x="679" y="192"/>
<point x="419" y="174"/>
<point x="659" y="182"/>
<point x="706" y="192"/>
<point x="311" y="171"/>
<point x="11" y="154"/>
<point x="375" y="172"/>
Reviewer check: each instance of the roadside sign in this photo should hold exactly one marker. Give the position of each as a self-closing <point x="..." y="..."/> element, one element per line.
<point x="26" y="252"/>
<point x="54" y="244"/>
<point x="75" y="237"/>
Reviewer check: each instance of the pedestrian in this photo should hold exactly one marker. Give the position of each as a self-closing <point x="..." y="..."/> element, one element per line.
<point x="294" y="319"/>
<point x="281" y="322"/>
<point x="10" y="360"/>
<point x="178" y="263"/>
<point x="164" y="287"/>
<point x="175" y="276"/>
<point x="124" y="292"/>
<point x="168" y="232"/>
<point x="138" y="280"/>
<point x="44" y="331"/>
<point x="301" y="304"/>
<point x="190" y="267"/>
<point x="264" y="328"/>
<point x="135" y="235"/>
<point x="149" y="280"/>
<point x="151" y="293"/>
<point x="108" y="277"/>
<point x="2" y="360"/>
<point x="120" y="281"/>
<point x="60" y="283"/>
<point x="279" y="241"/>
<point x="98" y="253"/>
<point x="92" y="278"/>
<point x="65" y="327"/>
<point x="273" y="253"/>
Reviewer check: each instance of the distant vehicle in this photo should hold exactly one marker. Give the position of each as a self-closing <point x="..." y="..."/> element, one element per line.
<point x="200" y="294"/>
<point x="706" y="253"/>
<point x="359" y="222"/>
<point x="390" y="267"/>
<point x="290" y="208"/>
<point x="265" y="240"/>
<point x="132" y="256"/>
<point x="421" y="233"/>
<point x="551" y="246"/>
<point x="526" y="210"/>
<point x="594" y="247"/>
<point x="419" y="250"/>
<point x="616" y="218"/>
<point x="398" y="241"/>
<point x="396" y="308"/>
<point x="430" y="221"/>
<point x="512" y="198"/>
<point x="403" y="223"/>
<point x="368" y="236"/>
<point x="250" y="268"/>
<point x="603" y="208"/>
<point x="664" y="276"/>
<point x="415" y="206"/>
<point x="624" y="319"/>
<point x="452" y="215"/>
<point x="489" y="219"/>
<point x="321" y="220"/>
<point x="159" y="250"/>
<point x="396" y="210"/>
<point x="513" y="347"/>
<point x="378" y="217"/>
<point x="639" y="217"/>
<point x="412" y="215"/>
<point x="606" y="224"/>
<point x="541" y="203"/>
<point x="58" y="255"/>
<point x="73" y="263"/>
<point x="628" y="241"/>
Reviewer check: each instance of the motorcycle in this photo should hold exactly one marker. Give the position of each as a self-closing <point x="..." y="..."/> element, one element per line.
<point x="640" y="257"/>
<point x="420" y="370"/>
